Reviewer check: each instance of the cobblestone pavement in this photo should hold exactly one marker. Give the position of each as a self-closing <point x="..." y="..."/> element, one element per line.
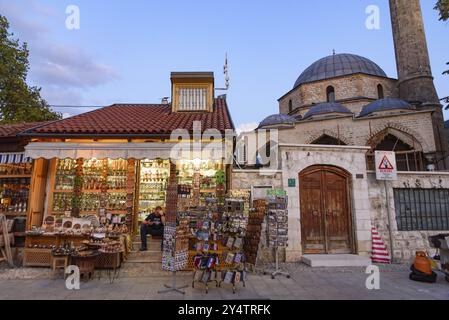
<point x="306" y="284"/>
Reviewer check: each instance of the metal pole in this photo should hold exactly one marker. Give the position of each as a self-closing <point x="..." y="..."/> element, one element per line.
<point x="390" y="230"/>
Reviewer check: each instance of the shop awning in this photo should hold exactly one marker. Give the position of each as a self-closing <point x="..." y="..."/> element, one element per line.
<point x="14" y="158"/>
<point x="138" y="151"/>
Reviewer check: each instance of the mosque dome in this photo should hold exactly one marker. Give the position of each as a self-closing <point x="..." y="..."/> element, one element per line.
<point x="385" y="105"/>
<point x="339" y="65"/>
<point x="326" y="108"/>
<point x="278" y="120"/>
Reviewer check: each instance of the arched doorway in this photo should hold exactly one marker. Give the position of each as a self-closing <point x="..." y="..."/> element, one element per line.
<point x="326" y="224"/>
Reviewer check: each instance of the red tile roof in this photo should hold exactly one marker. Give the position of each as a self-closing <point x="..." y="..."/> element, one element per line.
<point x="12" y="130"/>
<point x="137" y="119"/>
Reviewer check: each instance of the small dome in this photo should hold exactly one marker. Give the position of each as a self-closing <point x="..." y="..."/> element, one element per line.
<point x="278" y="120"/>
<point x="385" y="105"/>
<point x="325" y="108"/>
<point x="339" y="65"/>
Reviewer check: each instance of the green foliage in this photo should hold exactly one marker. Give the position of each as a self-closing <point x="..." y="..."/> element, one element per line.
<point x="18" y="101"/>
<point x="220" y="177"/>
<point x="443" y="7"/>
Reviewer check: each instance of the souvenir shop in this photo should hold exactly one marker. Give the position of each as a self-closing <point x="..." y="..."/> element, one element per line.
<point x="95" y="205"/>
<point x="97" y="201"/>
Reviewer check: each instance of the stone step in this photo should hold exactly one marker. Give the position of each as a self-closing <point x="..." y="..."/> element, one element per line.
<point x="150" y="238"/>
<point x="152" y="245"/>
<point x="146" y="256"/>
<point x="335" y="260"/>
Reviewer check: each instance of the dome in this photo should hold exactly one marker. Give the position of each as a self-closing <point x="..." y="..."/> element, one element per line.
<point x="339" y="65"/>
<point x="277" y="120"/>
<point x="385" y="105"/>
<point x="324" y="108"/>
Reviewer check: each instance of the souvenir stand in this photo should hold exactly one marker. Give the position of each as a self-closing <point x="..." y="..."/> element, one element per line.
<point x="175" y="246"/>
<point x="254" y="231"/>
<point x="277" y="227"/>
<point x="218" y="230"/>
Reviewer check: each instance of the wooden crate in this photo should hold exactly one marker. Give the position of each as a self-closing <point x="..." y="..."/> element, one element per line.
<point x="37" y="258"/>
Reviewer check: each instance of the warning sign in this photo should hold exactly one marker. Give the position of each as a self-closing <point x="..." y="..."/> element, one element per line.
<point x="386" y="166"/>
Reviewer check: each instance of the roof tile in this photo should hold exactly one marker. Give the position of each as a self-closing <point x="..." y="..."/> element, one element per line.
<point x="138" y="119"/>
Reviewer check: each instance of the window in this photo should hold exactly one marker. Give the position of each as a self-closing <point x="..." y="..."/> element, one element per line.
<point x="380" y="92"/>
<point x="422" y="209"/>
<point x="290" y="106"/>
<point x="192" y="99"/>
<point x="329" y="141"/>
<point x="330" y="93"/>
<point x="242" y="151"/>
<point x="407" y="157"/>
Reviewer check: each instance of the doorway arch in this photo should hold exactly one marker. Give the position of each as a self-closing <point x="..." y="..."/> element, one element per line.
<point x="326" y="219"/>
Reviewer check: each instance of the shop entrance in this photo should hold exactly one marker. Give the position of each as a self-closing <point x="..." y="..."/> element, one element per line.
<point x="326" y="225"/>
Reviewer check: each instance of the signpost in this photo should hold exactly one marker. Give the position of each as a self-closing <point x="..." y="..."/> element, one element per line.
<point x="386" y="170"/>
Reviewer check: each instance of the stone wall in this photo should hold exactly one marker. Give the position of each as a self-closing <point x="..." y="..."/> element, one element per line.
<point x="359" y="131"/>
<point x="405" y="243"/>
<point x="247" y="178"/>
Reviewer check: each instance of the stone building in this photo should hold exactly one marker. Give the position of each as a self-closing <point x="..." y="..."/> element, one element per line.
<point x="340" y="111"/>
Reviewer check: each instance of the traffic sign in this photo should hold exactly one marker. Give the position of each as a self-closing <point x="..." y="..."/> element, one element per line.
<point x="386" y="168"/>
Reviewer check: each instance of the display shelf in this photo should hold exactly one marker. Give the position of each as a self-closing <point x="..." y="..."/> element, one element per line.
<point x="57" y="213"/>
<point x="117" y="191"/>
<point x="63" y="191"/>
<point x="87" y="191"/>
<point x="117" y="212"/>
<point x="15" y="214"/>
<point x="207" y="190"/>
<point x="90" y="212"/>
<point x="20" y="176"/>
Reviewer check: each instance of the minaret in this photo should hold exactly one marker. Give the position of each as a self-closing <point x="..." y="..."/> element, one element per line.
<point x="414" y="71"/>
<point x="412" y="55"/>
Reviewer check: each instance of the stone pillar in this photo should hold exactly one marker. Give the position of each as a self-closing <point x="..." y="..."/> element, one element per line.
<point x="412" y="55"/>
<point x="414" y="70"/>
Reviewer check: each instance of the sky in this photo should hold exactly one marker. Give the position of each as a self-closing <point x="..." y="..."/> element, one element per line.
<point x="124" y="51"/>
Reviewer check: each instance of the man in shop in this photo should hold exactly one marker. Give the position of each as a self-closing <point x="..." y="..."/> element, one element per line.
<point x="154" y="226"/>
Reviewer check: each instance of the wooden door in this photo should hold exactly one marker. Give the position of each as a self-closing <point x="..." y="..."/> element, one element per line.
<point x="325" y="214"/>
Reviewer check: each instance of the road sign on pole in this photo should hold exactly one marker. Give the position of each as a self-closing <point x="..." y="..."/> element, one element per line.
<point x="386" y="168"/>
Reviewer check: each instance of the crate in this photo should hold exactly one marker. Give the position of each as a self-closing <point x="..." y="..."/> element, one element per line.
<point x="37" y="258"/>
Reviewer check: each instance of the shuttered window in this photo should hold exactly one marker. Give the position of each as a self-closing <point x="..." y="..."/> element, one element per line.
<point x="192" y="99"/>
<point x="422" y="209"/>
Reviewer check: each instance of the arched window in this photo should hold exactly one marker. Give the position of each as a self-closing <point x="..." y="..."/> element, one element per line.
<point x="330" y="94"/>
<point x="328" y="140"/>
<point x="407" y="157"/>
<point x="290" y="106"/>
<point x="380" y="91"/>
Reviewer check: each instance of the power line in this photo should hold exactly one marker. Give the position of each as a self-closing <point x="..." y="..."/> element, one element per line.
<point x="55" y="106"/>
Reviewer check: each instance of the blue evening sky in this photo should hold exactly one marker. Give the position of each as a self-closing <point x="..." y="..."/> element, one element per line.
<point x="125" y="50"/>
